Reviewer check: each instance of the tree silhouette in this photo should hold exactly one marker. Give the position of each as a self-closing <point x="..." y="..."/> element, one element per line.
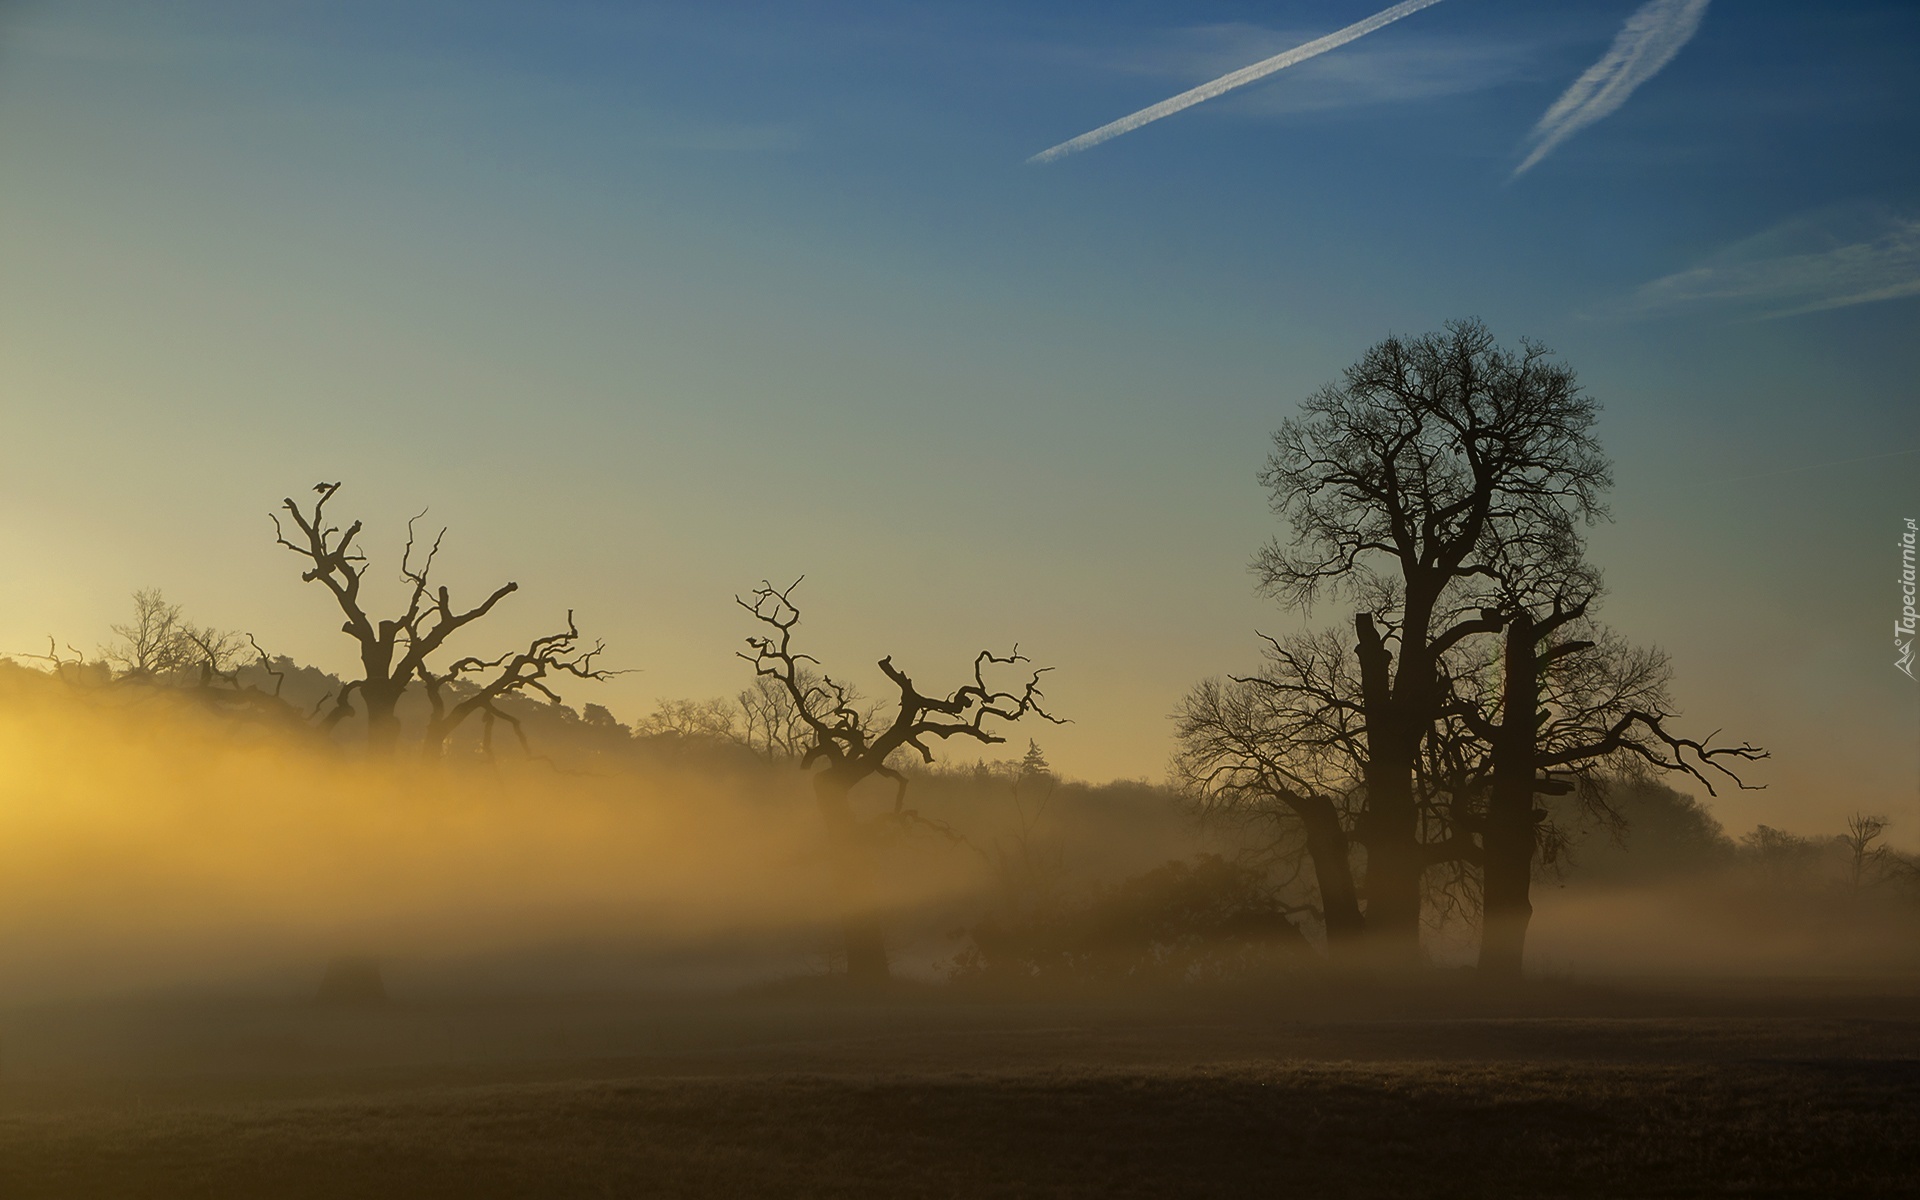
<point x="1403" y="483"/>
<point x="1285" y="748"/>
<point x="772" y="725"/>
<point x="393" y="651"/>
<point x="488" y="681"/>
<point x="161" y="649"/>
<point x="850" y="744"/>
<point x="1863" y="830"/>
<point x="159" y="643"/>
<point x="1578" y="708"/>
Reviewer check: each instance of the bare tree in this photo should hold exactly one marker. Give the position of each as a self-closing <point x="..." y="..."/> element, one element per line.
<point x="1569" y="707"/>
<point x="772" y="725"/>
<point x="850" y="744"/>
<point x="393" y="651"/>
<point x="160" y="644"/>
<point x="488" y="681"/>
<point x="1864" y="858"/>
<point x="151" y="644"/>
<point x="1432" y="456"/>
<point x="1284" y="749"/>
<point x="710" y="720"/>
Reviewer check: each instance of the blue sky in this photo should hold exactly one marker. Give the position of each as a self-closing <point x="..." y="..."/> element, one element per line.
<point x="649" y="301"/>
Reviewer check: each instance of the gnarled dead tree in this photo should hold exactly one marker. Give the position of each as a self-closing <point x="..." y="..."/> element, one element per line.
<point x="850" y="744"/>
<point x="477" y="685"/>
<point x="393" y="651"/>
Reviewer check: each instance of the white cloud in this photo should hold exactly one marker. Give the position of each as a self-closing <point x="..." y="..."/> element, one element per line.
<point x="1412" y="67"/>
<point x="1647" y="42"/>
<point x="1829" y="260"/>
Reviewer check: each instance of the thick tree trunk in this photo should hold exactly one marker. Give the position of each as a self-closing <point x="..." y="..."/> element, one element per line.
<point x="383" y="724"/>
<point x="1395" y="864"/>
<point x="1508" y="905"/>
<point x="1390" y="829"/>
<point x="1328" y="847"/>
<point x="1509" y="840"/>
<point x="853" y="866"/>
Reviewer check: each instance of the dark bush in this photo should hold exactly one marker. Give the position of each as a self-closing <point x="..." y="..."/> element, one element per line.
<point x="1202" y="920"/>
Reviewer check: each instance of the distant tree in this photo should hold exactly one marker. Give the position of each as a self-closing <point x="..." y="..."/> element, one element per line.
<point x="1866" y="858"/>
<point x="1432" y="458"/>
<point x="1029" y="870"/>
<point x="772" y="725"/>
<point x="599" y="716"/>
<point x="1646" y="831"/>
<point x="152" y="644"/>
<point x="160" y="648"/>
<point x="1780" y="856"/>
<point x="711" y="720"/>
<point x="160" y="643"/>
<point x="850" y="743"/>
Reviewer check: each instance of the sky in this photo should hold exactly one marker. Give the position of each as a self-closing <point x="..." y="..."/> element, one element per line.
<point x="648" y="302"/>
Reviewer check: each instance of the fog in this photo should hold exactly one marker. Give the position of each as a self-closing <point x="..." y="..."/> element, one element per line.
<point x="148" y="845"/>
<point x="1733" y="923"/>
<point x="144" y="845"/>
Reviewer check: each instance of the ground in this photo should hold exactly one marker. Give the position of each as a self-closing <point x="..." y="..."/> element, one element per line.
<point x="1313" y="1091"/>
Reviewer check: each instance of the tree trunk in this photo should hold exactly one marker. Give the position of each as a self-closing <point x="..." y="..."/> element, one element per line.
<point x="383" y="724"/>
<point x="439" y="731"/>
<point x="866" y="947"/>
<point x="1395" y="864"/>
<point x="1509" y="840"/>
<point x="1390" y="828"/>
<point x="1328" y="847"/>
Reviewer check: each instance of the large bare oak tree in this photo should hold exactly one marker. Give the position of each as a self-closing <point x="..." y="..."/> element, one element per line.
<point x="1402" y="483"/>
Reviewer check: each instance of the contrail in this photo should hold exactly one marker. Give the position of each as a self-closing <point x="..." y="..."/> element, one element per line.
<point x="1647" y="42"/>
<point x="1227" y="83"/>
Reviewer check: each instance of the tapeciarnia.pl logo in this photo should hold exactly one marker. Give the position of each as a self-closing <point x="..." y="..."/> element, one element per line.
<point x="1903" y="628"/>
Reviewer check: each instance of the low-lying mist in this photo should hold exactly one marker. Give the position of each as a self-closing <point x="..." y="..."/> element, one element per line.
<point x="1664" y="890"/>
<point x="142" y="844"/>
<point x="148" y="844"/>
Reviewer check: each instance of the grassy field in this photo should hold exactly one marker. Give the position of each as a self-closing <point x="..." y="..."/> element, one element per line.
<point x="1560" y="1092"/>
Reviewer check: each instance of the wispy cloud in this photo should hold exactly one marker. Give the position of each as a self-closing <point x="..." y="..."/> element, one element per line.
<point x="1234" y="79"/>
<point x="1418" y="63"/>
<point x="1647" y="42"/>
<point x="1829" y="260"/>
<point x="1396" y="74"/>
